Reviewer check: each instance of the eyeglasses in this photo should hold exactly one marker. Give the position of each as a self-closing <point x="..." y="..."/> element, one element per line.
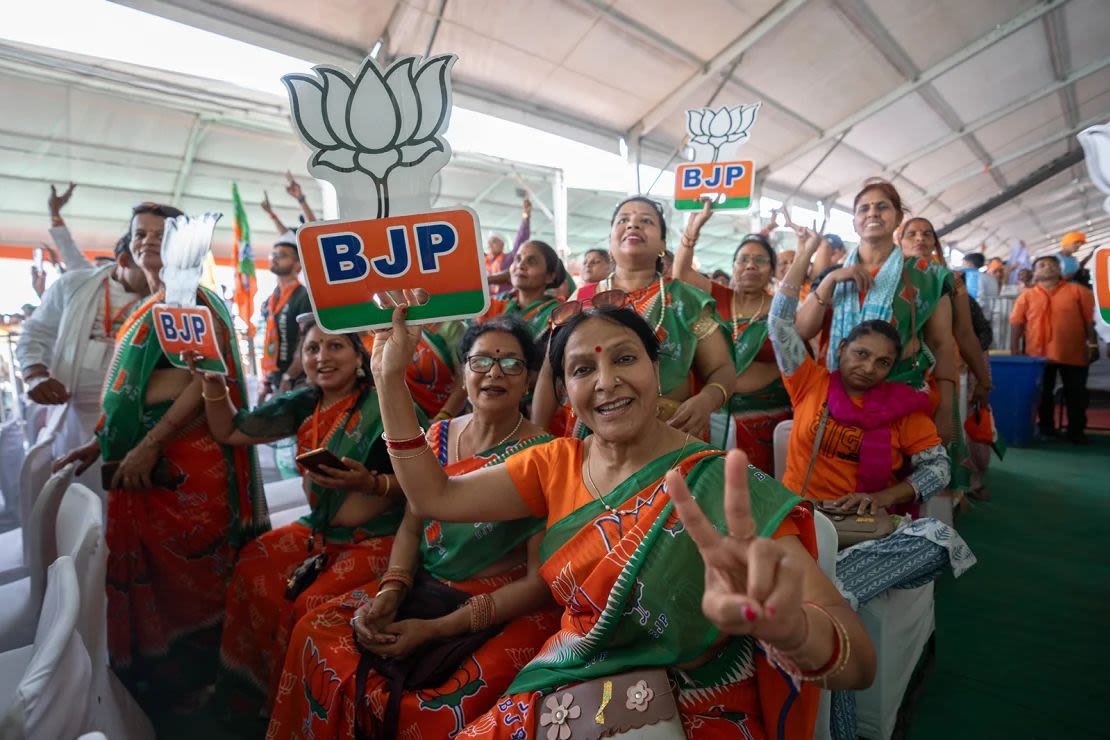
<point x="759" y="260"/>
<point x="484" y="363"/>
<point x="606" y="299"/>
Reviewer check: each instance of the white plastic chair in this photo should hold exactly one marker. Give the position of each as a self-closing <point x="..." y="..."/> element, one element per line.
<point x="20" y="600"/>
<point x="112" y="709"/>
<point x="900" y="624"/>
<point x="33" y="476"/>
<point x="44" y="687"/>
<point x="781" y="442"/>
<point x="284" y="494"/>
<point x="12" y="452"/>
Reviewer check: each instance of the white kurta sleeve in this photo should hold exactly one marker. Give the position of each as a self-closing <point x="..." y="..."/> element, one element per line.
<point x="39" y="333"/>
<point x="72" y="256"/>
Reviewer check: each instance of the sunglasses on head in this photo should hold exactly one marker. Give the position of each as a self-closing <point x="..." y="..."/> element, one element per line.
<point x="482" y="364"/>
<point x="606" y="299"/>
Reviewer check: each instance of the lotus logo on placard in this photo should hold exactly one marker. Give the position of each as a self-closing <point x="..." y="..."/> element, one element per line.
<point x="715" y="136"/>
<point x="719" y="129"/>
<point x="368" y="128"/>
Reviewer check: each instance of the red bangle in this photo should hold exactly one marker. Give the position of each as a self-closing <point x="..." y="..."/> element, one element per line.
<point x="412" y="443"/>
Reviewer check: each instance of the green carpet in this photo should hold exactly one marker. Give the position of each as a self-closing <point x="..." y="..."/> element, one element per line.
<point x="1022" y="644"/>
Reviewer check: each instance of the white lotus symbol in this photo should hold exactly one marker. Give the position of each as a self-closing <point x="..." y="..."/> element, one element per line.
<point x="375" y="126"/>
<point x="717" y="128"/>
<point x="186" y="242"/>
<point x="1096" y="148"/>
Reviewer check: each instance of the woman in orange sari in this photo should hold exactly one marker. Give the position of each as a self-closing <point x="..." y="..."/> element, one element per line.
<point x="536" y="268"/>
<point x="180" y="504"/>
<point x="637" y="618"/>
<point x="498" y="559"/>
<point x="344" y="540"/>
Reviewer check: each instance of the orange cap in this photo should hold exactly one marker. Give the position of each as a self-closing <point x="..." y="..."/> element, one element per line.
<point x="1073" y="239"/>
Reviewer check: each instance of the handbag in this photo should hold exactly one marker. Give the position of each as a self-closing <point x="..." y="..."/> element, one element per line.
<point x="851" y="528"/>
<point x="428" y="666"/>
<point x="305" y="574"/>
<point x="639" y="704"/>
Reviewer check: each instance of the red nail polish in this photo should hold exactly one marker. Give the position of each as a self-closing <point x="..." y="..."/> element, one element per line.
<point x="749" y="614"/>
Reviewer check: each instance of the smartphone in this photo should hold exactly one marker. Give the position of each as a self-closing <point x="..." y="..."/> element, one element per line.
<point x="37" y="258"/>
<point x="313" y="459"/>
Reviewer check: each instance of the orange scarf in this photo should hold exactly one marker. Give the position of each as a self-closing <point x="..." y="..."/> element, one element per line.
<point x="277" y="302"/>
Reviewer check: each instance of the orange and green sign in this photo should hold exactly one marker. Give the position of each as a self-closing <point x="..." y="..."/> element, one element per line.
<point x="188" y="329"/>
<point x="1101" y="278"/>
<point x="727" y="184"/>
<point x="347" y="263"/>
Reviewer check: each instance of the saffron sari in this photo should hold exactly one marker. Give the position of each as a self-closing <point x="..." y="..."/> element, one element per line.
<point x="316" y="698"/>
<point x="170" y="551"/>
<point x="431" y="373"/>
<point x="632" y="583"/>
<point x="259" y="617"/>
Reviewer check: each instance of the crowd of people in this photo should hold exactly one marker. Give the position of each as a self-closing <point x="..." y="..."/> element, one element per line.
<point x="527" y="525"/>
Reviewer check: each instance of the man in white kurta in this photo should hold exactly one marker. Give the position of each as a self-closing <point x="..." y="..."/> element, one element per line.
<point x="66" y="347"/>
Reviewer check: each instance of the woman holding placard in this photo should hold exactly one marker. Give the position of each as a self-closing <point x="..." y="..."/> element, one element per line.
<point x="758" y="401"/>
<point x="180" y="504"/>
<point x="418" y="614"/>
<point x="653" y="602"/>
<point x="696" y="369"/>
<point x="346" y="537"/>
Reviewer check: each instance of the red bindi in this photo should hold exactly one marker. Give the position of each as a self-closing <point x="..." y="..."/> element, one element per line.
<point x="597" y="348"/>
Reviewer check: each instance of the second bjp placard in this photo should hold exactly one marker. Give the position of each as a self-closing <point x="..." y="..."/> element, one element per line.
<point x="347" y="263"/>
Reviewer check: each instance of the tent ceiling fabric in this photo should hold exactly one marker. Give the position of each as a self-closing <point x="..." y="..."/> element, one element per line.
<point x="952" y="100"/>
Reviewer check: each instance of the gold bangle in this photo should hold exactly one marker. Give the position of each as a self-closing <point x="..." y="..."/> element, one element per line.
<point x="723" y="390"/>
<point x="817" y="297"/>
<point x="388" y="485"/>
<point x="387" y="589"/>
<point x="395" y="456"/>
<point x="217" y="398"/>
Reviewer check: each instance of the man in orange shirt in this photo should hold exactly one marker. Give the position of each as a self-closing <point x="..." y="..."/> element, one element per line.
<point x="1056" y="321"/>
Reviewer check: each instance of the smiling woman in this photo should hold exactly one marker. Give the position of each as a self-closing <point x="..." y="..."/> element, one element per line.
<point x="628" y="576"/>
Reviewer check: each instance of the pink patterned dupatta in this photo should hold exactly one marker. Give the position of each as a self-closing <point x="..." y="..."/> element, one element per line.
<point x="882" y="406"/>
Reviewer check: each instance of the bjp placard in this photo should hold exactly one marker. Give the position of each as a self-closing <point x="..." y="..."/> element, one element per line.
<point x="1101" y="282"/>
<point x="347" y="263"/>
<point x="726" y="184"/>
<point x="188" y="329"/>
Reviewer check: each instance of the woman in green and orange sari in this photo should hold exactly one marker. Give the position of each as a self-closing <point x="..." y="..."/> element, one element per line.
<point x="494" y="558"/>
<point x="180" y="504"/>
<point x="696" y="368"/>
<point x="536" y="268"/>
<point x="759" y="400"/>
<point x="343" y="541"/>
<point x="629" y="572"/>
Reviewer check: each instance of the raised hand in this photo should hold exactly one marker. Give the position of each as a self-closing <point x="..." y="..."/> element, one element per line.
<point x="266" y="202"/>
<point x="394" y="347"/>
<point x="752" y="584"/>
<point x="57" y="202"/>
<point x="698" y="220"/>
<point x="293" y="187"/>
<point x="527" y="208"/>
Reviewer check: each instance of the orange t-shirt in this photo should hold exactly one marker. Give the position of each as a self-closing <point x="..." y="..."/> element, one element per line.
<point x="834" y="471"/>
<point x="1056" y="321"/>
<point x="549" y="480"/>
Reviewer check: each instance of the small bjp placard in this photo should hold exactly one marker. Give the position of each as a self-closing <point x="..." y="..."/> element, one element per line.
<point x="1101" y="281"/>
<point x="349" y="263"/>
<point x="716" y="173"/>
<point x="188" y="329"/>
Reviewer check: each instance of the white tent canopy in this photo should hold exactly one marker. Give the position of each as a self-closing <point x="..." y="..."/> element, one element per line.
<point x="953" y="101"/>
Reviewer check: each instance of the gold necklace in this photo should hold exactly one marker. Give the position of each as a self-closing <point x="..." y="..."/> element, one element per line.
<point x="506" y="438"/>
<point x="596" y="492"/>
<point x="737" y="318"/>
